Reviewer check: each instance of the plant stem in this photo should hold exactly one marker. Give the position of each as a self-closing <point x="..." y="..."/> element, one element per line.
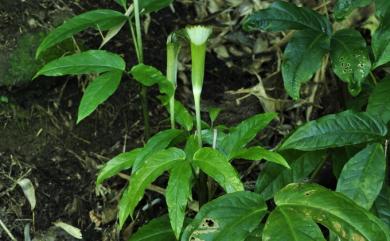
<point x="173" y="50"/>
<point x="138" y="31"/>
<point x="198" y="120"/>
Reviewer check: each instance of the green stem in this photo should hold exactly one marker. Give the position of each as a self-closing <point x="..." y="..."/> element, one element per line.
<point x="138" y="30"/>
<point x="198" y="119"/>
<point x="172" y="63"/>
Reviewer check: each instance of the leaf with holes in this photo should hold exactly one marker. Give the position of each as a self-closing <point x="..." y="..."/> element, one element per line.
<point x="177" y="195"/>
<point x="363" y="175"/>
<point x="258" y="153"/>
<point x="344" y="7"/>
<point x="274" y="177"/>
<point x="350" y="60"/>
<point x="381" y="42"/>
<point x="157" y="229"/>
<point x="89" y="62"/>
<point x="230" y="217"/>
<point x="336" y="130"/>
<point x="156" y="143"/>
<point x="97" y="92"/>
<point x="333" y="210"/>
<point x="153" y="167"/>
<point x="285" y="16"/>
<point x="102" y="19"/>
<point x="379" y="99"/>
<point x="244" y="132"/>
<point x="288" y="224"/>
<point x="119" y="163"/>
<point x="217" y="166"/>
<point x="302" y="58"/>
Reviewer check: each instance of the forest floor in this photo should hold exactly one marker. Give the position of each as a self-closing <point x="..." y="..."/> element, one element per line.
<point x="39" y="139"/>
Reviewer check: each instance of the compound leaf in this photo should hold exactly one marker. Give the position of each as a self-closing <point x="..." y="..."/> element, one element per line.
<point x="287" y="224"/>
<point x="157" y="229"/>
<point x="381" y="42"/>
<point x="157" y="142"/>
<point x="102" y="19"/>
<point x="153" y="167"/>
<point x="274" y="177"/>
<point x="177" y="194"/>
<point x="362" y="176"/>
<point x="284" y="16"/>
<point x="244" y="132"/>
<point x="302" y="58"/>
<point x="230" y="217"/>
<point x="333" y="210"/>
<point x="350" y="60"/>
<point x="378" y="103"/>
<point x="217" y="166"/>
<point x="344" y="7"/>
<point x="258" y="153"/>
<point x="121" y="162"/>
<point x="97" y="92"/>
<point x="92" y="61"/>
<point x="336" y="130"/>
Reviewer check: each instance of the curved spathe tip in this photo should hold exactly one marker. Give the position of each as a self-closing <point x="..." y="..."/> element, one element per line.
<point x="198" y="35"/>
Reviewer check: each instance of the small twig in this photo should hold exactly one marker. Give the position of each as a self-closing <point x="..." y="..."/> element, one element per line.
<point x="7" y="231"/>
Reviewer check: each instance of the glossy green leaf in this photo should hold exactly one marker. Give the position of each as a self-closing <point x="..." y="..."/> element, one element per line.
<point x="155" y="165"/>
<point x="274" y="177"/>
<point x="244" y="132"/>
<point x="208" y="136"/>
<point x="157" y="229"/>
<point x="230" y="217"/>
<point x="333" y="210"/>
<point x="344" y="7"/>
<point x="214" y="113"/>
<point x="217" y="166"/>
<point x="285" y="16"/>
<point x="381" y="42"/>
<point x="148" y="76"/>
<point x="97" y="92"/>
<point x="191" y="147"/>
<point x="382" y="205"/>
<point x="177" y="195"/>
<point x="378" y="103"/>
<point x="287" y="224"/>
<point x="92" y="61"/>
<point x="382" y="7"/>
<point x="148" y="6"/>
<point x="336" y="130"/>
<point x="119" y="163"/>
<point x="256" y="234"/>
<point x="302" y="58"/>
<point x="122" y="3"/>
<point x="362" y="176"/>
<point x="183" y="117"/>
<point x="102" y="19"/>
<point x="258" y="153"/>
<point x="350" y="60"/>
<point x="156" y="143"/>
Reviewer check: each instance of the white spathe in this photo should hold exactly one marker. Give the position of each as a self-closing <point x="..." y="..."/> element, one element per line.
<point x="198" y="35"/>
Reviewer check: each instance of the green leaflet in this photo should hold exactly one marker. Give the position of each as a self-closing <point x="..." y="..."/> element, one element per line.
<point x="217" y="166"/>
<point x="350" y="60"/>
<point x="97" y="92"/>
<point x="274" y="177"/>
<point x="148" y="6"/>
<point x="121" y="162"/>
<point x="302" y="58"/>
<point x="122" y="3"/>
<point x="177" y="194"/>
<point x="285" y="16"/>
<point x="102" y="19"/>
<point x="336" y="130"/>
<point x="382" y="205"/>
<point x="258" y="153"/>
<point x="382" y="7"/>
<point x="344" y="7"/>
<point x="230" y="217"/>
<point x="378" y="103"/>
<point x="153" y="167"/>
<point x="92" y="61"/>
<point x="244" y="132"/>
<point x="213" y="113"/>
<point x="255" y="235"/>
<point x="148" y="76"/>
<point x="191" y="147"/>
<point x="381" y="42"/>
<point x="287" y="224"/>
<point x="157" y="142"/>
<point x="333" y="210"/>
<point x="362" y="176"/>
<point x="157" y="229"/>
